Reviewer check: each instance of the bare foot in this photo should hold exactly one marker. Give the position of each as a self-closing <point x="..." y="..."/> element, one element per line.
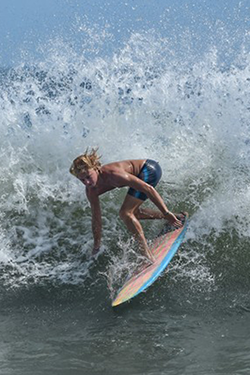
<point x="150" y="257"/>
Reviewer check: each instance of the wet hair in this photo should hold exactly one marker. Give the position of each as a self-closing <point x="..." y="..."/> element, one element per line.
<point x="86" y="161"/>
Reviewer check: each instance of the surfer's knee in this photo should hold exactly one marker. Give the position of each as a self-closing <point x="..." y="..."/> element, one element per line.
<point x="125" y="215"/>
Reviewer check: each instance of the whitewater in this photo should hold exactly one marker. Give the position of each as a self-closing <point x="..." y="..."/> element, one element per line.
<point x="190" y="113"/>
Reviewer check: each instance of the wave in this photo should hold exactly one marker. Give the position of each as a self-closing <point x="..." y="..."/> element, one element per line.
<point x="192" y="115"/>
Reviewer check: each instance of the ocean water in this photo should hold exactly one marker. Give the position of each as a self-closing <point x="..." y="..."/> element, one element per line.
<point x="188" y="109"/>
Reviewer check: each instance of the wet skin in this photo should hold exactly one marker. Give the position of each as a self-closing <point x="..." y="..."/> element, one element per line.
<point x="116" y="175"/>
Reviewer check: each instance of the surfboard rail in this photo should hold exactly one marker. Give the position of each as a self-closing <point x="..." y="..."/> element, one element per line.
<point x="164" y="248"/>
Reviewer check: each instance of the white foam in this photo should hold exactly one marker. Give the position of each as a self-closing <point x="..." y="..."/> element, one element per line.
<point x="139" y="103"/>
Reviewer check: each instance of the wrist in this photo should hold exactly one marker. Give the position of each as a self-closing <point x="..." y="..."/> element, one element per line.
<point x="166" y="213"/>
<point x="95" y="250"/>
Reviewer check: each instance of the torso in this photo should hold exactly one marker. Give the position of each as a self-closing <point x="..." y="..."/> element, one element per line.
<point x="108" y="171"/>
<point x="129" y="166"/>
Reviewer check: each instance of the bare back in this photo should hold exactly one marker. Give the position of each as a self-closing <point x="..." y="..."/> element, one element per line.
<point x="107" y="179"/>
<point x="129" y="166"/>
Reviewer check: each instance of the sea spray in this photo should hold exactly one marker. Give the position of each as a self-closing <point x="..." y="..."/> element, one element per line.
<point x="141" y="101"/>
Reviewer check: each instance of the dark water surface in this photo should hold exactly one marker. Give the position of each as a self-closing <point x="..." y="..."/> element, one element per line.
<point x="173" y="328"/>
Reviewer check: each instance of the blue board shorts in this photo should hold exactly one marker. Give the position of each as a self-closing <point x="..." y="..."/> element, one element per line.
<point x="151" y="174"/>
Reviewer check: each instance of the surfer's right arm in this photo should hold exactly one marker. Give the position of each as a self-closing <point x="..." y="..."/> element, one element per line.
<point x="96" y="219"/>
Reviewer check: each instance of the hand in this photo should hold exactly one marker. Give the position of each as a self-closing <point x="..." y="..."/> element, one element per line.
<point x="95" y="250"/>
<point x="172" y="219"/>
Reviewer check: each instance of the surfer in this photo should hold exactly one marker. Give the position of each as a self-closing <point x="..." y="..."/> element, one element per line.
<point x="141" y="176"/>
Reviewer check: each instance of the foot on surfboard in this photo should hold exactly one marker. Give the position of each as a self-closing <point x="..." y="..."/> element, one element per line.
<point x="142" y="266"/>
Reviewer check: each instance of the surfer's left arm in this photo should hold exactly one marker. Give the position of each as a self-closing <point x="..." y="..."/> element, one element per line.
<point x="155" y="197"/>
<point x="137" y="184"/>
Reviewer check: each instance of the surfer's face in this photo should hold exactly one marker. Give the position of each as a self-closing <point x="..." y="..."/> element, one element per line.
<point x="88" y="177"/>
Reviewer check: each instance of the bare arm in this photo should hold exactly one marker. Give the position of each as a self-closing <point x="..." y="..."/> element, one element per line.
<point x="96" y="219"/>
<point x="136" y="183"/>
<point x="158" y="201"/>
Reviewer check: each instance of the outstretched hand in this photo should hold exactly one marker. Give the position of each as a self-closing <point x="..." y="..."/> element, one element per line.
<point x="95" y="251"/>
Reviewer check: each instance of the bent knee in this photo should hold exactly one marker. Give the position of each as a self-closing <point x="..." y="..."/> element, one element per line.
<point x="125" y="215"/>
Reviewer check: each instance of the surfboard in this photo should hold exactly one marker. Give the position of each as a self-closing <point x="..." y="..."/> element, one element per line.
<point x="164" y="248"/>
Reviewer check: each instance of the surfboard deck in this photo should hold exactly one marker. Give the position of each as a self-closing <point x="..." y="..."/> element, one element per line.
<point x="164" y="248"/>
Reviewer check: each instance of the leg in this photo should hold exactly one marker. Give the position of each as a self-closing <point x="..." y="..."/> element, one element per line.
<point x="147" y="213"/>
<point x="127" y="214"/>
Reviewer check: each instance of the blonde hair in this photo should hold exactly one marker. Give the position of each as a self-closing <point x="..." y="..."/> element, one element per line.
<point x="86" y="161"/>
